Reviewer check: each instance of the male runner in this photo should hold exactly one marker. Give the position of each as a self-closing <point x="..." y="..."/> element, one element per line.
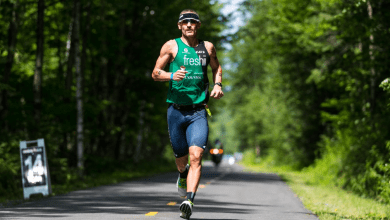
<point x="188" y="94"/>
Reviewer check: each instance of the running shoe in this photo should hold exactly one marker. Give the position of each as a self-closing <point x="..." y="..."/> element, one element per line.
<point x="181" y="185"/>
<point x="186" y="209"/>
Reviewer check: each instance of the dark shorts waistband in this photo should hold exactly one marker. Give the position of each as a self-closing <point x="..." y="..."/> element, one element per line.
<point x="187" y="107"/>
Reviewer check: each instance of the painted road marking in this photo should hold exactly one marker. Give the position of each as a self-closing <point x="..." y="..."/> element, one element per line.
<point x="172" y="203"/>
<point x="151" y="214"/>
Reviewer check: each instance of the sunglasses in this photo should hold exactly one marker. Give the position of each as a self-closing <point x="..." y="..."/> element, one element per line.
<point x="186" y="21"/>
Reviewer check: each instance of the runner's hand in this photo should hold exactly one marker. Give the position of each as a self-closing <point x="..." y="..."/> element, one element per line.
<point x="179" y="75"/>
<point x="217" y="92"/>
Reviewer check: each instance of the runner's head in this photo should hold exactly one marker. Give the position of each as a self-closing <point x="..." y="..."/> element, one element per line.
<point x="189" y="22"/>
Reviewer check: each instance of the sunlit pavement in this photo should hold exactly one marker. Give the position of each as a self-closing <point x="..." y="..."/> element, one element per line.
<point x="225" y="192"/>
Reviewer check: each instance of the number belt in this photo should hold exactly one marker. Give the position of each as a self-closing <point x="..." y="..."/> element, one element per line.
<point x="187" y="107"/>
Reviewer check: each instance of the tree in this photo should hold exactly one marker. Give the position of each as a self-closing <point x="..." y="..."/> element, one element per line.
<point x="12" y="38"/>
<point x="79" y="89"/>
<point x="39" y="62"/>
<point x="308" y="78"/>
<point x="90" y="65"/>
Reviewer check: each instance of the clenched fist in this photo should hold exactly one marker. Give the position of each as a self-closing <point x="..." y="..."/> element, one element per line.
<point x="179" y="75"/>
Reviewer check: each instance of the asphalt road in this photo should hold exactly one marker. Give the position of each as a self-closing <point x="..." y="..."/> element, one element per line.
<point x="224" y="193"/>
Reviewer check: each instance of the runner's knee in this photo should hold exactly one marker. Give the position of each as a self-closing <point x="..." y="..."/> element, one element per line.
<point x="196" y="157"/>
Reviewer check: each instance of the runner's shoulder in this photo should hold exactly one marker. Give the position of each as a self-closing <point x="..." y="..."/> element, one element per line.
<point x="210" y="47"/>
<point x="171" y="42"/>
<point x="169" y="47"/>
<point x="208" y="43"/>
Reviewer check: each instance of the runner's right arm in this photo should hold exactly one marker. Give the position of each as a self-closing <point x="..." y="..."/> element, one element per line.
<point x="166" y="54"/>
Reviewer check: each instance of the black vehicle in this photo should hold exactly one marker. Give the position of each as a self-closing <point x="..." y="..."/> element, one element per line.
<point x="217" y="152"/>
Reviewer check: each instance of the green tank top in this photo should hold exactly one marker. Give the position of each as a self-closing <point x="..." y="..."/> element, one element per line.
<point x="193" y="89"/>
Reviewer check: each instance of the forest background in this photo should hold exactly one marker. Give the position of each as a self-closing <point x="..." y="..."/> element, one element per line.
<point x="305" y="85"/>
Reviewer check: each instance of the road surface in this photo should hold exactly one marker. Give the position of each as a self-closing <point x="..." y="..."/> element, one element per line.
<point x="228" y="192"/>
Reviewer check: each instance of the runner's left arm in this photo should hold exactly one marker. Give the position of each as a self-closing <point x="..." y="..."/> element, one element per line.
<point x="217" y="92"/>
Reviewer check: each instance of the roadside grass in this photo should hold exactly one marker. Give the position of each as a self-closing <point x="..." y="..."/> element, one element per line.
<point x="327" y="201"/>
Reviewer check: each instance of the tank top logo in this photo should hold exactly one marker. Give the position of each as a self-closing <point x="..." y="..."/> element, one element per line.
<point x="194" y="62"/>
<point x="185" y="51"/>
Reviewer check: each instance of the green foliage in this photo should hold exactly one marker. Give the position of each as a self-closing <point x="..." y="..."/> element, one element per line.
<point x="306" y="89"/>
<point x="10" y="181"/>
<point x="249" y="157"/>
<point x="326" y="170"/>
<point x="222" y="126"/>
<point x="123" y="107"/>
<point x="385" y="84"/>
<point x="270" y="82"/>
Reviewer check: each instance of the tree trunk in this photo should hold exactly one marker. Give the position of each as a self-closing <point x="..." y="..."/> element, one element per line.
<point x="103" y="124"/>
<point x="38" y="64"/>
<point x="85" y="37"/>
<point x="372" y="63"/>
<point x="79" y="90"/>
<point x="121" y="137"/>
<point x="69" y="58"/>
<point x="12" y="33"/>
<point x="140" y="131"/>
<point x="119" y="112"/>
<point x="59" y="43"/>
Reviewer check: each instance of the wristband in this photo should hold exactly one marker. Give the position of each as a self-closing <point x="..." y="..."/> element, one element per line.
<point x="172" y="76"/>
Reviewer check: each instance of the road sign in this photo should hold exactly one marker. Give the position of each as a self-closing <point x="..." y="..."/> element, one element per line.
<point x="35" y="169"/>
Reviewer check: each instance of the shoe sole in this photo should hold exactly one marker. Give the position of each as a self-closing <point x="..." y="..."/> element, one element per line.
<point x="183" y="216"/>
<point x="186" y="209"/>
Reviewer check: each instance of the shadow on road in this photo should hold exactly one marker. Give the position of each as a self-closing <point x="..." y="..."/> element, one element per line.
<point x="137" y="197"/>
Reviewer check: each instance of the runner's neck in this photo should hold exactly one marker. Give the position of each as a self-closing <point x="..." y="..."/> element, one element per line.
<point x="191" y="42"/>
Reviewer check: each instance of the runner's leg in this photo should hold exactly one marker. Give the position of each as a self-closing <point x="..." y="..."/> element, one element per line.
<point x="177" y="135"/>
<point x="181" y="163"/>
<point x="197" y="136"/>
<point x="195" y="171"/>
<point x="192" y="181"/>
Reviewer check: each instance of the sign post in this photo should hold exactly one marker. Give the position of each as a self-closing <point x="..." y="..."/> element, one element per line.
<point x="35" y="169"/>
